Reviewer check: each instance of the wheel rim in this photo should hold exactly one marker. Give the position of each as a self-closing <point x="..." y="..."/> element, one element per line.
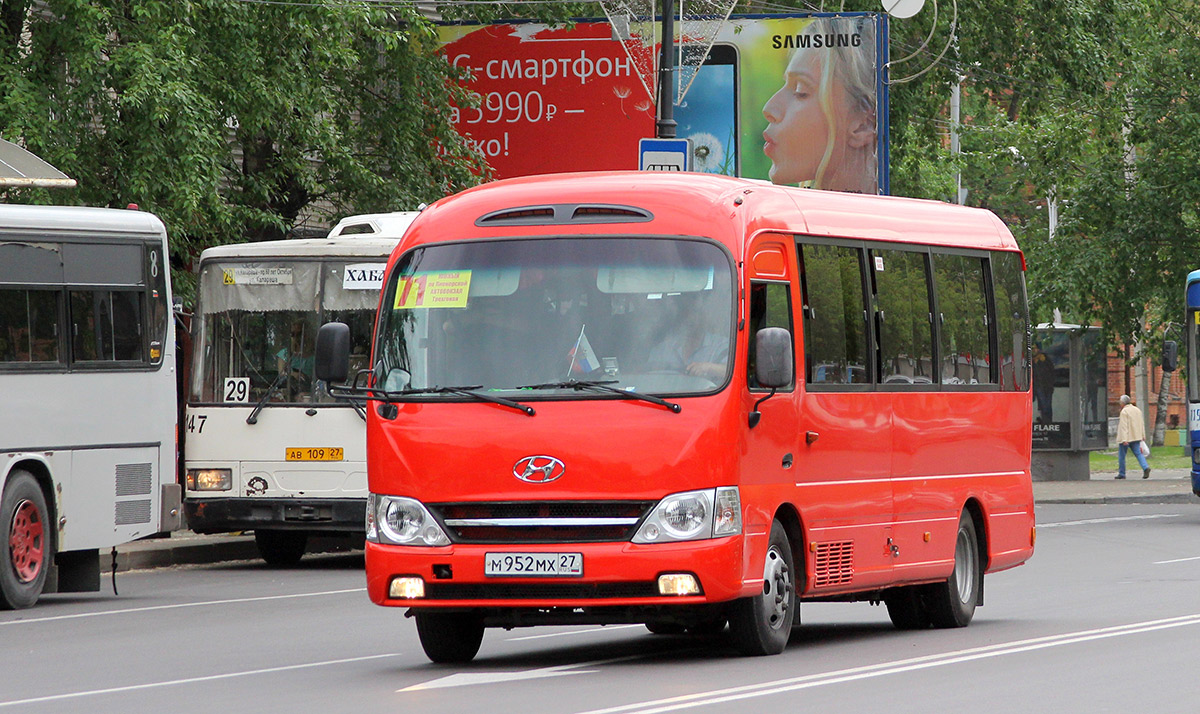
<point x="965" y="566"/>
<point x="25" y="545"/>
<point x="777" y="588"/>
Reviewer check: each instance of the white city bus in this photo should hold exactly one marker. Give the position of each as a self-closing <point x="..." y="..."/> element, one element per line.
<point x="265" y="446"/>
<point x="87" y="393"/>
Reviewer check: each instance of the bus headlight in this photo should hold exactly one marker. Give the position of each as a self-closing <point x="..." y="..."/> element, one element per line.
<point x="209" y="479"/>
<point x="693" y="515"/>
<point x="402" y="521"/>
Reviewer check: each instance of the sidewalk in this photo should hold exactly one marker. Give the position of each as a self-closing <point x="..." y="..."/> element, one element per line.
<point x="1163" y="486"/>
<point x="188" y="548"/>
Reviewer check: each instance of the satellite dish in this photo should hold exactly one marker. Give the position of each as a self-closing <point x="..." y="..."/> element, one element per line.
<point x="902" y="8"/>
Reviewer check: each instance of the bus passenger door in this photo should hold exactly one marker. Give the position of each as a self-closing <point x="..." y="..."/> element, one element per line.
<point x="844" y="459"/>
<point x="767" y="468"/>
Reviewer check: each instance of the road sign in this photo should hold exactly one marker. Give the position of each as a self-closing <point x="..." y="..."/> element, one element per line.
<point x="663" y="154"/>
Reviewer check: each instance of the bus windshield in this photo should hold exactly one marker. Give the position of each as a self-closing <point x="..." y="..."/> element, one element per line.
<point x="257" y="325"/>
<point x="535" y="317"/>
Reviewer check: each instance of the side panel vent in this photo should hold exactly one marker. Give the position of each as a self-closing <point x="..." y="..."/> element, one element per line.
<point x="134" y="479"/>
<point x="131" y="512"/>
<point x="834" y="562"/>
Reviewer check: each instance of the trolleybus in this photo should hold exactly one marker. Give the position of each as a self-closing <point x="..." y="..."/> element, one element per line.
<point x="1192" y="320"/>
<point x="87" y="393"/>
<point x="265" y="446"/>
<point x="693" y="402"/>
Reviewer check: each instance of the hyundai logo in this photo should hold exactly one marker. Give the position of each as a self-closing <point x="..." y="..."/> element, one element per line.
<point x="539" y="469"/>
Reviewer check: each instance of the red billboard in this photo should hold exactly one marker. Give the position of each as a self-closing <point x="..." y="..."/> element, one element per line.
<point x="550" y="99"/>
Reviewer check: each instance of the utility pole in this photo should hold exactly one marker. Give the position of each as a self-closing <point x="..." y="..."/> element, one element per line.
<point x="960" y="196"/>
<point x="665" y="128"/>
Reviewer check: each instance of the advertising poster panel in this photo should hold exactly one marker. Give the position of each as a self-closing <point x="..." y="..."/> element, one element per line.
<point x="797" y="100"/>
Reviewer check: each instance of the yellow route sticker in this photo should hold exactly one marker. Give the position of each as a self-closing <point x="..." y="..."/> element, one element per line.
<point x="441" y="289"/>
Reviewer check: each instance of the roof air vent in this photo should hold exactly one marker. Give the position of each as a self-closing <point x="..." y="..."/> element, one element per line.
<point x="561" y="214"/>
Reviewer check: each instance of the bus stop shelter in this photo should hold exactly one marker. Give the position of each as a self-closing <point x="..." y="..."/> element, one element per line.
<point x="21" y="169"/>
<point x="1070" y="401"/>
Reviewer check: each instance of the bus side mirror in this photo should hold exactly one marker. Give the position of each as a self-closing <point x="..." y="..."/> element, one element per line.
<point x="1170" y="357"/>
<point x="332" y="362"/>
<point x="773" y="363"/>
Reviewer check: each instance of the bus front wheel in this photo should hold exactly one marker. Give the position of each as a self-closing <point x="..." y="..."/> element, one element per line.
<point x="450" y="637"/>
<point x="761" y="624"/>
<point x="280" y="548"/>
<point x="28" y="552"/>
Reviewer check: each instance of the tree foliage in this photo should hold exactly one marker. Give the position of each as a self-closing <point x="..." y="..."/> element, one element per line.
<point x="236" y="120"/>
<point x="232" y="121"/>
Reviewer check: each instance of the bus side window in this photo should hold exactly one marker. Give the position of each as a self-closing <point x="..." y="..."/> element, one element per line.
<point x="835" y="331"/>
<point x="1012" y="321"/>
<point x="903" y="317"/>
<point x="106" y="326"/>
<point x="965" y="350"/>
<point x="770" y="306"/>
<point x="28" y="325"/>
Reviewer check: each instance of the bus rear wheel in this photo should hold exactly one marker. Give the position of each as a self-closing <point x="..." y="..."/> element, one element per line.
<point x="952" y="603"/>
<point x="28" y="552"/>
<point x="281" y="548"/>
<point x="761" y="624"/>
<point x="450" y="637"/>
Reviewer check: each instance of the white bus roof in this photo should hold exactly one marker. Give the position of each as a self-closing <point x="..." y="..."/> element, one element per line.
<point x="369" y="235"/>
<point x="71" y="219"/>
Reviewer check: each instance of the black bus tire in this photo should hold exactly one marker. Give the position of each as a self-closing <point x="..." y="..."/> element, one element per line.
<point x="28" y="542"/>
<point x="761" y="624"/>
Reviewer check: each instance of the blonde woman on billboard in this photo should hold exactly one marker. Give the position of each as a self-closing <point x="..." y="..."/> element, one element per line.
<point x="821" y="122"/>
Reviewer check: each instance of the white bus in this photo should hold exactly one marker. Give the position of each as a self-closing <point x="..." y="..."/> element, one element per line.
<point x="87" y="393"/>
<point x="265" y="446"/>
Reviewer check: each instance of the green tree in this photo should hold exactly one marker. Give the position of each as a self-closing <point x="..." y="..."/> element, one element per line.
<point x="232" y="120"/>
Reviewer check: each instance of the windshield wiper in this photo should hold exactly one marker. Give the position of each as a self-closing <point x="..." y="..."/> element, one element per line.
<point x="597" y="385"/>
<point x="468" y="391"/>
<point x="253" y="418"/>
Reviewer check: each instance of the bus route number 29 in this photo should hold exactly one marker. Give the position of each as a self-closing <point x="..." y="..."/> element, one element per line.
<point x="237" y="389"/>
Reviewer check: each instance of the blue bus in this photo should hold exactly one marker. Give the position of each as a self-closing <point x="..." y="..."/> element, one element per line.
<point x="1192" y="320"/>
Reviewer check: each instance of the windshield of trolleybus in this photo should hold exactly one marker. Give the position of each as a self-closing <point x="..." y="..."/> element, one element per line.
<point x="256" y="326"/>
<point x="645" y="314"/>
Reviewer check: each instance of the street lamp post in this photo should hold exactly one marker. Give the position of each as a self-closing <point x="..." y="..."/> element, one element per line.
<point x="665" y="127"/>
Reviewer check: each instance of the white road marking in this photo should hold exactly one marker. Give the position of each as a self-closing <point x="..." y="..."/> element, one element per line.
<point x="1114" y="519"/>
<point x="191" y="680"/>
<point x="1177" y="560"/>
<point x="463" y="679"/>
<point x="177" y="606"/>
<point x="588" y="631"/>
<point x="780" y="686"/>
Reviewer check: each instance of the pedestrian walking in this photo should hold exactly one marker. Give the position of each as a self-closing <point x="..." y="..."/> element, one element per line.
<point x="1131" y="434"/>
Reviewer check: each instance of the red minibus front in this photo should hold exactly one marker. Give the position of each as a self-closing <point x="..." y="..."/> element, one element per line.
<point x="611" y="398"/>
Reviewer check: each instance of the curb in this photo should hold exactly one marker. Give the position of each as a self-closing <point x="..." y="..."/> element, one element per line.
<point x="142" y="555"/>
<point x="1164" y="498"/>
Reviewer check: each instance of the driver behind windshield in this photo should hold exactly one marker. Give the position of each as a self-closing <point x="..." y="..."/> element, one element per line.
<point x="697" y="341"/>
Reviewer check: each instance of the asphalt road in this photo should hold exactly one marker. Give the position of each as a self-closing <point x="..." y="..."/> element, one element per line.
<point x="1105" y="618"/>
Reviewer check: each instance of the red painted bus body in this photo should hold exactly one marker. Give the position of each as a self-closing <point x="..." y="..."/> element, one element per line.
<point x="870" y="478"/>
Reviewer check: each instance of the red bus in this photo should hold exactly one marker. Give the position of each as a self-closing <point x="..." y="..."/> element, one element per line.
<point x="692" y="401"/>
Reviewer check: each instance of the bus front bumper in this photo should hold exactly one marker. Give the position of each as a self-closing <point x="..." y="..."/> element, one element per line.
<point x="314" y="515"/>
<point x="615" y="576"/>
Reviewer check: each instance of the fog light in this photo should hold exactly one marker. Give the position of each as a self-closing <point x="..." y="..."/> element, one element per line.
<point x="209" y="479"/>
<point x="406" y="588"/>
<point x="678" y="584"/>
